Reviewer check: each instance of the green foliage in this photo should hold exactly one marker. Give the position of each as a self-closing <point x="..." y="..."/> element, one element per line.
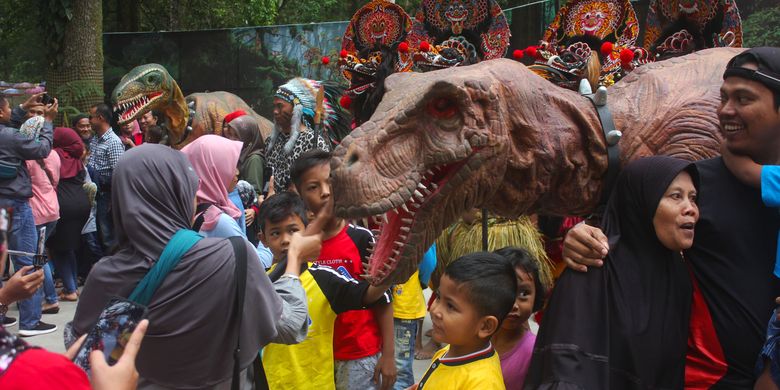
<point x="762" y="28"/>
<point x="23" y="57"/>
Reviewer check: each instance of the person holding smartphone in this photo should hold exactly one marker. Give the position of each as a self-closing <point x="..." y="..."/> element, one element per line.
<point x="16" y="147"/>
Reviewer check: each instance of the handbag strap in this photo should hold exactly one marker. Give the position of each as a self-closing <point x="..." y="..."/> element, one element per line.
<point x="239" y="250"/>
<point x="48" y="174"/>
<point x="180" y="243"/>
<point x="199" y="210"/>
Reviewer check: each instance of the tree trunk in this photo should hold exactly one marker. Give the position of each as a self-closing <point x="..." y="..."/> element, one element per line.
<point x="173" y="16"/>
<point x="75" y="76"/>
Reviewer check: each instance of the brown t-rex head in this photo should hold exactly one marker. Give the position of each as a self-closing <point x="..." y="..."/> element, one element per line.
<point x="436" y="146"/>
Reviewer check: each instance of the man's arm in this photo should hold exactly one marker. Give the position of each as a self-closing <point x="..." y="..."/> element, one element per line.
<point x="743" y="167"/>
<point x="584" y="246"/>
<point x="35" y="149"/>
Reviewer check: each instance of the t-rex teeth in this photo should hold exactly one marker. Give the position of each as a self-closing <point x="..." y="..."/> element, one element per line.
<point x="403" y="206"/>
<point x="398" y="243"/>
<point x="429" y="173"/>
<point x="388" y="266"/>
<point x="384" y="218"/>
<point x="434" y="186"/>
<point x="396" y="252"/>
<point x="415" y="205"/>
<point x="405" y="229"/>
<point x="403" y="237"/>
<point x="421" y="186"/>
<point x="418" y="195"/>
<point x="407" y="221"/>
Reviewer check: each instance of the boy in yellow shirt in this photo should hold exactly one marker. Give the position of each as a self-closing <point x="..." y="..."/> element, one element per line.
<point x="475" y="294"/>
<point x="309" y="364"/>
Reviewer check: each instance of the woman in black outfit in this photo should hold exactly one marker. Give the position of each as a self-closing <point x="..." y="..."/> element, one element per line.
<point x="74" y="209"/>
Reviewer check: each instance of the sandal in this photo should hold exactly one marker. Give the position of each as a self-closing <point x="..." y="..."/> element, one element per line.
<point x="72" y="297"/>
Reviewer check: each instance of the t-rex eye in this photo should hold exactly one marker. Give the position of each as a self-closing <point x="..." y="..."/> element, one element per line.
<point x="442" y="108"/>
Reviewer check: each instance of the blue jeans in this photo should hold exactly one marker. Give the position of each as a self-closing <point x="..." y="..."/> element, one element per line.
<point x="105" y="221"/>
<point x="22" y="237"/>
<point x="66" y="269"/>
<point x="405" y="335"/>
<point x="49" y="292"/>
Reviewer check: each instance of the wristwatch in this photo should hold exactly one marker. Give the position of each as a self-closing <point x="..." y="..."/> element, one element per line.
<point x="3" y="309"/>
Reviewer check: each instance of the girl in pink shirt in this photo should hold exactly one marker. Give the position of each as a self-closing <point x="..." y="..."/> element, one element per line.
<point x="514" y="341"/>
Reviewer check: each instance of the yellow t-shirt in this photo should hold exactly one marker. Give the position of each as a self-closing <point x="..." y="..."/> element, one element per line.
<point x="408" y="299"/>
<point x="478" y="370"/>
<point x="309" y="364"/>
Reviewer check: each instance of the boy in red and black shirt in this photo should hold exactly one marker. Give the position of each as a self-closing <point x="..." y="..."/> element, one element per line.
<point x="363" y="342"/>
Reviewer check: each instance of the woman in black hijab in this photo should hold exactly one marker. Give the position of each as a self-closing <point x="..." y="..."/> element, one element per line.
<point x="625" y="325"/>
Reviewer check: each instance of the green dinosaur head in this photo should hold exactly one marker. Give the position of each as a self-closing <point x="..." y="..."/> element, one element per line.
<point x="141" y="90"/>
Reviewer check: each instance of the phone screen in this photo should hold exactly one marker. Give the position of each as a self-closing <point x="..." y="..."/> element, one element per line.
<point x="112" y="331"/>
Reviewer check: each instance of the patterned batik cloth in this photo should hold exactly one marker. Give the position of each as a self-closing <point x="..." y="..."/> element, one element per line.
<point x="281" y="163"/>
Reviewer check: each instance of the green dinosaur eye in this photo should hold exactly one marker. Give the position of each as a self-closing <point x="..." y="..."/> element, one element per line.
<point x="152" y="79"/>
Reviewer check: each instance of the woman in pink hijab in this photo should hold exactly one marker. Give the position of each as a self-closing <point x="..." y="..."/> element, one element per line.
<point x="215" y="160"/>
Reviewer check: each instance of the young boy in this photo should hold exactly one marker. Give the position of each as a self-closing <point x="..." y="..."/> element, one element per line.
<point x="360" y="335"/>
<point x="475" y="294"/>
<point x="308" y="365"/>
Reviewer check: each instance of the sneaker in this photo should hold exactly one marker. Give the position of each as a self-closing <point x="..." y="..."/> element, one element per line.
<point x="9" y="322"/>
<point x="41" y="328"/>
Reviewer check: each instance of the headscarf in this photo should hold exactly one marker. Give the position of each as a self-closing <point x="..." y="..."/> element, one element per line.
<point x="247" y="193"/>
<point x="185" y="346"/>
<point x="624" y="325"/>
<point x="70" y="148"/>
<point x="214" y="159"/>
<point x="32" y="127"/>
<point x="249" y="133"/>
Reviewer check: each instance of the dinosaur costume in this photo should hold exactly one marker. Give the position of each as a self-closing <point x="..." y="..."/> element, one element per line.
<point x="371" y="50"/>
<point x="150" y="87"/>
<point x="498" y="136"/>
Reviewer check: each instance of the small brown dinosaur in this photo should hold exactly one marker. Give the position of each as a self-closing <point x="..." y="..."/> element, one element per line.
<point x="150" y="87"/>
<point x="496" y="135"/>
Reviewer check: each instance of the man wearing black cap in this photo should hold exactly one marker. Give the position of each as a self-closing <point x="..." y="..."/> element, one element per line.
<point x="734" y="248"/>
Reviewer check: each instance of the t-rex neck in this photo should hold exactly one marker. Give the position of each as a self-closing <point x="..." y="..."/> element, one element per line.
<point x="557" y="155"/>
<point x="176" y="111"/>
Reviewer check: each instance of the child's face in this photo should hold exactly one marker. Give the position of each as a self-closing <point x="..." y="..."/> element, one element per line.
<point x="277" y="236"/>
<point x="456" y="320"/>
<point x="315" y="187"/>
<point x="524" y="302"/>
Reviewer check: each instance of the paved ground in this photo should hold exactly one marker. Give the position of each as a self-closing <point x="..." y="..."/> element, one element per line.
<point x="54" y="341"/>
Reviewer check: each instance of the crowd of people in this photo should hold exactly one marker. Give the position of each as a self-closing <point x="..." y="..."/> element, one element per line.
<point x="259" y="284"/>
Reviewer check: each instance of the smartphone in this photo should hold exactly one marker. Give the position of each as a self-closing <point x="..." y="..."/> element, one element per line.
<point x="39" y="260"/>
<point x="3" y="225"/>
<point x="46" y="99"/>
<point x="111" y="332"/>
